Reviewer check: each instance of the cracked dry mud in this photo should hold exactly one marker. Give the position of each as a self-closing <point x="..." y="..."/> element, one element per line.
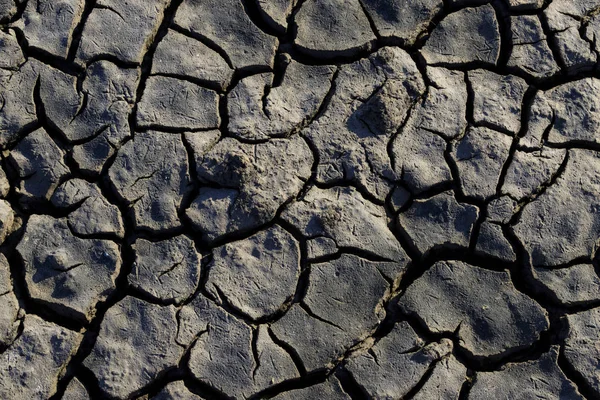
<point x="299" y="199"/>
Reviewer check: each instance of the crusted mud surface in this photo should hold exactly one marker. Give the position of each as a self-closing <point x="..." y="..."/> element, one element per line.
<point x="299" y="199"/>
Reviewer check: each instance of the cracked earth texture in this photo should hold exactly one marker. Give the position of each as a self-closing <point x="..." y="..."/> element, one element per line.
<point x="299" y="199"/>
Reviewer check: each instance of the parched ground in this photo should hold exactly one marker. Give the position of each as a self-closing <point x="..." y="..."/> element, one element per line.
<point x="299" y="199"/>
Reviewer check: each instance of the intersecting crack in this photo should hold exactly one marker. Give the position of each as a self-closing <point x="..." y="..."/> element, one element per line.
<point x="248" y="199"/>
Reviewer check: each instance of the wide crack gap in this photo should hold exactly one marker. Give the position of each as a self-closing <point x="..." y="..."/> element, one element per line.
<point x="465" y="390"/>
<point x="254" y="13"/>
<point x="504" y="25"/>
<point x="522" y="283"/>
<point x="580" y="382"/>
<point x="44" y="56"/>
<point x="474" y="239"/>
<point x="358" y="345"/>
<point x="77" y="33"/>
<point x="20" y="9"/>
<point x="528" y="352"/>
<point x="350" y="385"/>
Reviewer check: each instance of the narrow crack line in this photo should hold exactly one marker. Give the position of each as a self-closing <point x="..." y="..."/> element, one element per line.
<point x="344" y="182"/>
<point x="194" y="189"/>
<point x="170" y="129"/>
<point x="434" y="191"/>
<point x="310" y="379"/>
<point x="455" y="173"/>
<point x="223" y="301"/>
<point x="575" y="145"/>
<point x="372" y="24"/>
<point x="539" y="191"/>
<point x="307" y="309"/>
<point x="289" y="349"/>
<point x="525" y="43"/>
<point x="171" y="268"/>
<point x="390" y="145"/>
<point x="406" y="242"/>
<point x="104" y="236"/>
<point x="583" y="33"/>
<point x="305" y="269"/>
<point x="144" y="177"/>
<point x="207" y="84"/>
<point x="111" y="9"/>
<point x="423" y="381"/>
<point x="553" y="44"/>
<point x="374" y="356"/>
<point x="255" y="353"/>
<point x="323" y="107"/>
<point x="167" y="375"/>
<point x="205" y="41"/>
<point x="548" y="130"/>
<point x="494" y="127"/>
<point x="526" y="104"/>
<point x="265" y="100"/>
<point x="348" y="250"/>
<point x="57" y="137"/>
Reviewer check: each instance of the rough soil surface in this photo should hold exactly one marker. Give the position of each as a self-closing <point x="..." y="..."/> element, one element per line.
<point x="299" y="199"/>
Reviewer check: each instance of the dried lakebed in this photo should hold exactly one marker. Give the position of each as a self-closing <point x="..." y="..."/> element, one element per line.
<point x="299" y="199"/>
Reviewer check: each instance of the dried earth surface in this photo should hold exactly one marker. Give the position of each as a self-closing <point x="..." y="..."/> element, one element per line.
<point x="299" y="199"/>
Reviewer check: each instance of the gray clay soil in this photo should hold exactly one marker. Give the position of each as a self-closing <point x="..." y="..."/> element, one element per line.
<point x="299" y="199"/>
